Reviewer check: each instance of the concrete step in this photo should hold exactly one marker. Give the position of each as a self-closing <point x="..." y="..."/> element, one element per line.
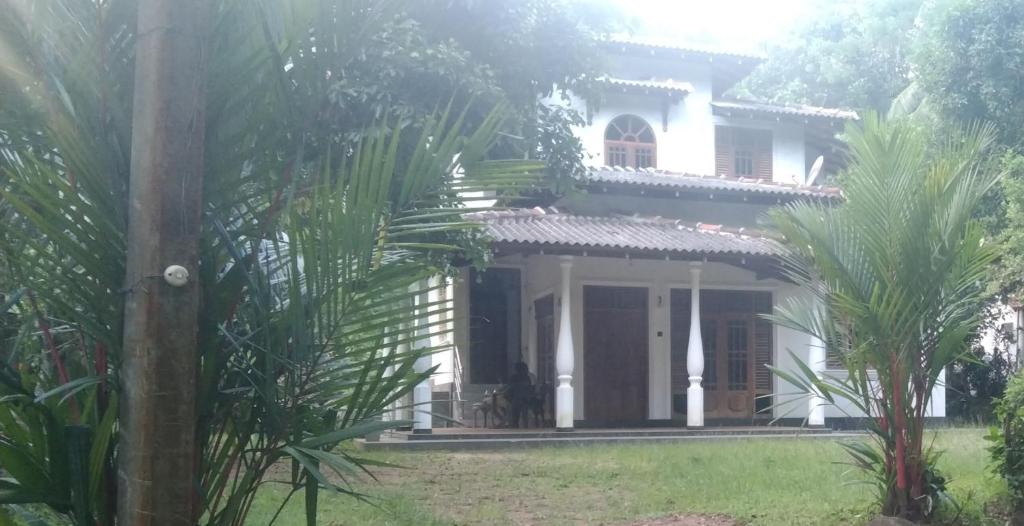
<point x="574" y="439"/>
<point x="508" y="434"/>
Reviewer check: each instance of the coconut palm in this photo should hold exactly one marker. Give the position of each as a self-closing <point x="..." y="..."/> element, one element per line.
<point x="894" y="277"/>
<point x="316" y="234"/>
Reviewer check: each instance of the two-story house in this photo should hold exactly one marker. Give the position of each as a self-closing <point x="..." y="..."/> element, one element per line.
<point x="638" y="301"/>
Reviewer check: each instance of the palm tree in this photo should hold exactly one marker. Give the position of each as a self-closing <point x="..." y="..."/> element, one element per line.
<point x="315" y="234"/>
<point x="895" y="281"/>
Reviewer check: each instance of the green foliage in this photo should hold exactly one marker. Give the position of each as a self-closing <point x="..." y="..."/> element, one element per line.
<point x="969" y="58"/>
<point x="1007" y="440"/>
<point x="893" y="278"/>
<point x="320" y="225"/>
<point x="1007" y="226"/>
<point x="849" y="54"/>
<point x="974" y="383"/>
<point x="756" y="481"/>
<point x="485" y="51"/>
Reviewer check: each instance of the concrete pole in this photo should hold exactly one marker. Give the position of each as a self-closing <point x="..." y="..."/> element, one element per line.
<point x="157" y="448"/>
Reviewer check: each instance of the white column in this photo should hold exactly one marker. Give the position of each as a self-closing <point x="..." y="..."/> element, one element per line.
<point x="388" y="372"/>
<point x="421" y="394"/>
<point x="564" y="353"/>
<point x="400" y="409"/>
<point x="695" y="355"/>
<point x="816" y="404"/>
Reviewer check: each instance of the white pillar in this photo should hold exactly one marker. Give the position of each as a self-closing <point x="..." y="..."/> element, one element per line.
<point x="816" y="404"/>
<point x="695" y="355"/>
<point x="564" y="353"/>
<point x="400" y="408"/>
<point x="421" y="394"/>
<point x="388" y="372"/>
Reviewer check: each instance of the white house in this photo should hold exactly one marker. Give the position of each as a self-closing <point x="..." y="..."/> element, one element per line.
<point x="638" y="301"/>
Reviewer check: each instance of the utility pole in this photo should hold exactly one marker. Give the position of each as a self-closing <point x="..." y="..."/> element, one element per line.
<point x="157" y="458"/>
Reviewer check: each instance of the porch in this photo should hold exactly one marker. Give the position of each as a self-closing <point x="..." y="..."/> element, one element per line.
<point x="625" y="322"/>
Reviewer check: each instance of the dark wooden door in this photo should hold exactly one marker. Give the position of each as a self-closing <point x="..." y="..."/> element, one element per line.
<point x="615" y="334"/>
<point x="732" y="395"/>
<point x="737" y="347"/>
<point x="544" y="316"/>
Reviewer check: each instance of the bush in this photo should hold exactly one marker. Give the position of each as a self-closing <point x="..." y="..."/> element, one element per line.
<point x="1007" y="439"/>
<point x="974" y="383"/>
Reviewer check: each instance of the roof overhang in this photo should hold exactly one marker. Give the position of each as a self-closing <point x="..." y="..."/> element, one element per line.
<point x="763" y="267"/>
<point x="673" y="89"/>
<point x="537" y="231"/>
<point x="666" y="184"/>
<point x="804" y="114"/>
<point x="728" y="67"/>
<point x="667" y="91"/>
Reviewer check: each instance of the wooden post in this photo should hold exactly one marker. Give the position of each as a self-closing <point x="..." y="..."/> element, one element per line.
<point x="157" y="451"/>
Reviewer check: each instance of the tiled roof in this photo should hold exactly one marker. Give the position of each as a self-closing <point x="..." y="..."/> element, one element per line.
<point x="682" y="88"/>
<point x="681" y="48"/>
<point x="541" y="228"/>
<point x="683" y="181"/>
<point x="789" y="110"/>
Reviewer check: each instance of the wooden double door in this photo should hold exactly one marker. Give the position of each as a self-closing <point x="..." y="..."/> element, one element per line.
<point x="737" y="349"/>
<point x="615" y="338"/>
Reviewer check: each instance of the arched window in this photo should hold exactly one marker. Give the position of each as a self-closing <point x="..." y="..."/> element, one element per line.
<point x="629" y="141"/>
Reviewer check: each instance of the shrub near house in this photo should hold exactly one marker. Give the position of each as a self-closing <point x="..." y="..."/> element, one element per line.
<point x="1007" y="447"/>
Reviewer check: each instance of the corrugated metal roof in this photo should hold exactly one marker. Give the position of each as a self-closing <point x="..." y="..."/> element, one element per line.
<point x="776" y="109"/>
<point x="683" y="88"/>
<point x="682" y="48"/>
<point x="675" y="180"/>
<point x="543" y="229"/>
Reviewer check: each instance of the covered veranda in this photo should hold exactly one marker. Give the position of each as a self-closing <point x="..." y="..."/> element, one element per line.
<point x="638" y="325"/>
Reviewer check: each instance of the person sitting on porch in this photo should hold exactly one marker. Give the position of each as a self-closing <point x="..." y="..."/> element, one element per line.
<point x="519" y="392"/>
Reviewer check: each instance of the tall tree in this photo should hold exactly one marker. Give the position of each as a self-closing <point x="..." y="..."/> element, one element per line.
<point x="969" y="58"/>
<point x="332" y="182"/>
<point x="969" y="66"/>
<point x="849" y="54"/>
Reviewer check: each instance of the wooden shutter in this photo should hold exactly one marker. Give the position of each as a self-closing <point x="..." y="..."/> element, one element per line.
<point x="723" y="151"/>
<point x="762" y="355"/>
<point x="763" y="155"/>
<point x="762" y="343"/>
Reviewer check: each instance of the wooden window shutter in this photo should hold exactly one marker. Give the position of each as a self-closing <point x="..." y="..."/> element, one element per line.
<point x="723" y="151"/>
<point x="763" y="343"/>
<point x="762" y="355"/>
<point x="763" y="155"/>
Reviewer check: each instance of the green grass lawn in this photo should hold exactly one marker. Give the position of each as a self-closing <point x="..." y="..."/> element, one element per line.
<point x="757" y="481"/>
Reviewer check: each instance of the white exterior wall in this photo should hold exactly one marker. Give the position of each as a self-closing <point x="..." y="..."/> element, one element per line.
<point x="444" y="359"/>
<point x="688" y="144"/>
<point x="541" y="276"/>
<point x="1003" y="320"/>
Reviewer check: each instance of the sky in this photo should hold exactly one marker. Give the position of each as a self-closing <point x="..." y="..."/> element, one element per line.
<point x="735" y="24"/>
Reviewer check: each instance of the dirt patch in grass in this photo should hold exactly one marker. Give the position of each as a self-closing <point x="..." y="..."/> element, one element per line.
<point x="686" y="520"/>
